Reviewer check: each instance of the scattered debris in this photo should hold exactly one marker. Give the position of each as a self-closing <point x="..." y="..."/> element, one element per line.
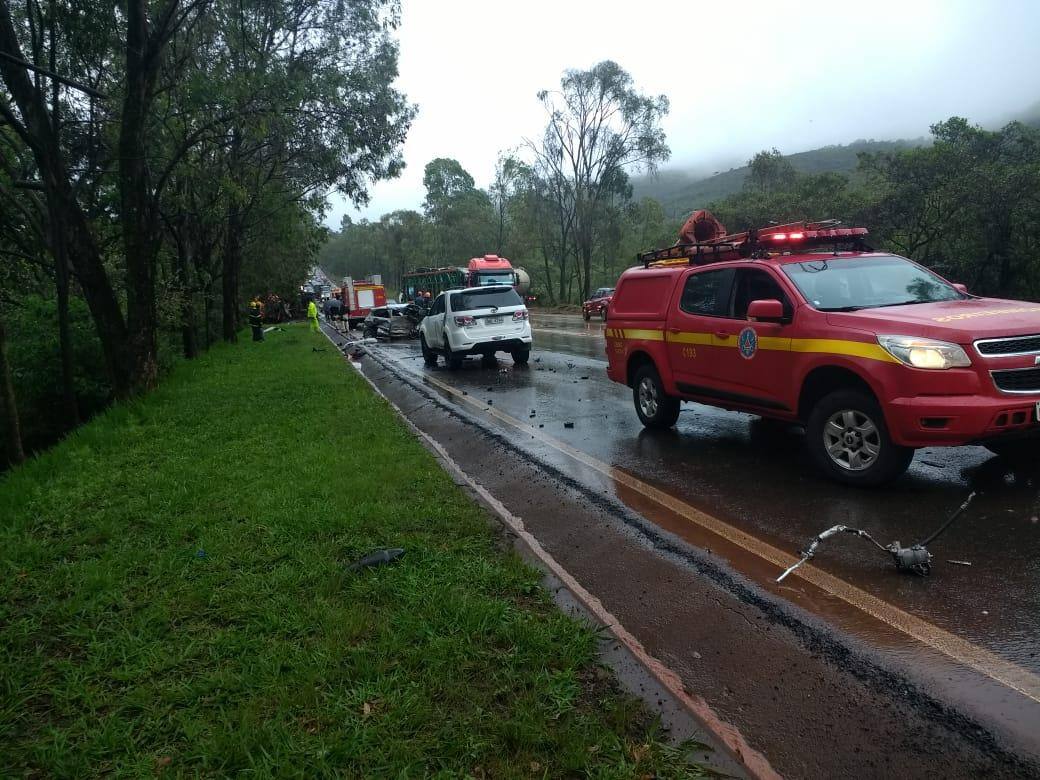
<point x="959" y="563"/>
<point x="317" y="349"/>
<point x="200" y="554"/>
<point x="568" y="425"/>
<point x="582" y="377"/>
<point x="377" y="558"/>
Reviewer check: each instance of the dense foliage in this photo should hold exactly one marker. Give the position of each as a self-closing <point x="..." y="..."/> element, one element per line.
<point x="161" y="160"/>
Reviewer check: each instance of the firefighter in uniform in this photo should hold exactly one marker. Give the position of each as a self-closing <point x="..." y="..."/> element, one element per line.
<point x="312" y="315"/>
<point x="256" y="319"/>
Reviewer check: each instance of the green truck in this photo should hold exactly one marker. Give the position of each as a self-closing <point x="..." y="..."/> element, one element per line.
<point x="431" y="280"/>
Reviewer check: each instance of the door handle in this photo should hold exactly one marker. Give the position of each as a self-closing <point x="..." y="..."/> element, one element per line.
<point x="673" y="330"/>
<point x="722" y="335"/>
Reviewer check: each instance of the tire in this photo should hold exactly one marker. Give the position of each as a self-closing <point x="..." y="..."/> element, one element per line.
<point x="655" y="408"/>
<point x="1020" y="451"/>
<point x="488" y="360"/>
<point x="453" y="359"/>
<point x="428" y="355"/>
<point x="521" y="356"/>
<point x="603" y="314"/>
<point x="585" y="315"/>
<point x="848" y="440"/>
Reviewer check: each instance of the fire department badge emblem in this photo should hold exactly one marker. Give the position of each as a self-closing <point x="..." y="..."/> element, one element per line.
<point x="747" y="343"/>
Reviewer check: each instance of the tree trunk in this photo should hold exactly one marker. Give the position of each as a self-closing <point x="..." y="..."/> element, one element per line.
<point x="232" y="264"/>
<point x="138" y="213"/>
<point x="61" y="261"/>
<point x="68" y="386"/>
<point x="15" y="453"/>
<point x="185" y="248"/>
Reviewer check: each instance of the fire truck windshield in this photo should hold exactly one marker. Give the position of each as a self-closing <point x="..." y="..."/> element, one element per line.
<point x="496" y="277"/>
<point x="849" y="284"/>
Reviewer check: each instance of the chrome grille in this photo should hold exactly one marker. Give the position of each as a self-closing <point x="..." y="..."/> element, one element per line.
<point x="1015" y="345"/>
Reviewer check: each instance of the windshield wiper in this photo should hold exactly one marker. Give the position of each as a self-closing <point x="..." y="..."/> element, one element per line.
<point x="845" y="308"/>
<point x="899" y="303"/>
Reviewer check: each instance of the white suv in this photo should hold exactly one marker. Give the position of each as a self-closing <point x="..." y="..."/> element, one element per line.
<point x="476" y="321"/>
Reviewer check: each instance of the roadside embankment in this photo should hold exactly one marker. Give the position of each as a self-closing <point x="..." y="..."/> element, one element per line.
<point x="175" y="596"/>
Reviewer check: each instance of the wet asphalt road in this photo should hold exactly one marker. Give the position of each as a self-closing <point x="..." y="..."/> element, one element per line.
<point x="754" y="475"/>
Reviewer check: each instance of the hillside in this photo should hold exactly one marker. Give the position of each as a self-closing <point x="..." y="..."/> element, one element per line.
<point x="680" y="192"/>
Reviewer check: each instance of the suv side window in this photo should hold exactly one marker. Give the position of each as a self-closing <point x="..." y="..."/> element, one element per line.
<point x="438" y="305"/>
<point x="708" y="293"/>
<point x="754" y="284"/>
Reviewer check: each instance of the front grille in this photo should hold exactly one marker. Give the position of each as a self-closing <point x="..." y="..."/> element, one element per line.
<point x="1012" y="346"/>
<point x="1025" y="380"/>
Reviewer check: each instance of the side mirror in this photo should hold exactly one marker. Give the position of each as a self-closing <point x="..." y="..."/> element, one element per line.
<point x="961" y="288"/>
<point x="766" y="311"/>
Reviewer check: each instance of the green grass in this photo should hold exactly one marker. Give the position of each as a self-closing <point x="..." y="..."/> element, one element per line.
<point x="174" y="598"/>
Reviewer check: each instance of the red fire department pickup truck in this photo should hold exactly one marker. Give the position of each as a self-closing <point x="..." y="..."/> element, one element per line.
<point x="875" y="355"/>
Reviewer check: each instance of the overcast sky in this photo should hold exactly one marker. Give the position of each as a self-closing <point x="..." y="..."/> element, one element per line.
<point x="741" y="76"/>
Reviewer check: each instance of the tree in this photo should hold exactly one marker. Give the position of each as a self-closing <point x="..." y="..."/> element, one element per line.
<point x="599" y="127"/>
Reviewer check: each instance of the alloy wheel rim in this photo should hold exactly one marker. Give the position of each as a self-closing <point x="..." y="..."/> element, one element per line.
<point x="852" y="440"/>
<point x="648" y="397"/>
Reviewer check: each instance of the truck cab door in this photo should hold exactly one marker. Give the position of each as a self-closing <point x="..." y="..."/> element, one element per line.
<point x="761" y="367"/>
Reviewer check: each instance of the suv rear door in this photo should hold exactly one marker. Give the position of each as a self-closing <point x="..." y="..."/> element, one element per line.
<point x="433" y="324"/>
<point x="697" y="334"/>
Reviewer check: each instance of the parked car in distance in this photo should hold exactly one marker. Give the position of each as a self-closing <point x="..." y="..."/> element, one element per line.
<point x="476" y="321"/>
<point x="390" y="321"/>
<point x="597" y="304"/>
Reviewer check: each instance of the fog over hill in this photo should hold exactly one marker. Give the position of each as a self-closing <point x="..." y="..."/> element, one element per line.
<point x="681" y="191"/>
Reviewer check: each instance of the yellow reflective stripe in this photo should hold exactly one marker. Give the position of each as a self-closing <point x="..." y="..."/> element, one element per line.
<point x="646" y="335"/>
<point x="688" y="337"/>
<point x="775" y="343"/>
<point x="861" y="349"/>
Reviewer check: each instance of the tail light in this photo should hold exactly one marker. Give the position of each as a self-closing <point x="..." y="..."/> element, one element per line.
<point x="463" y="322"/>
<point x="520" y="315"/>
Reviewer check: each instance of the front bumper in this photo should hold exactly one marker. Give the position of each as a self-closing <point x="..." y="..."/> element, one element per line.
<point x="931" y="420"/>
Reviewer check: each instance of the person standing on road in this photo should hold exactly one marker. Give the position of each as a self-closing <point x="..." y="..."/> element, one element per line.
<point x="312" y="315"/>
<point x="256" y="319"/>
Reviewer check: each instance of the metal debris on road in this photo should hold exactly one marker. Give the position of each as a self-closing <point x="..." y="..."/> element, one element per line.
<point x="568" y="425"/>
<point x="959" y="563"/>
<point x="914" y="559"/>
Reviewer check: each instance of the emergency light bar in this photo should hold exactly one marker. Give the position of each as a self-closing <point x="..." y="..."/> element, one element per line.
<point x="737" y="246"/>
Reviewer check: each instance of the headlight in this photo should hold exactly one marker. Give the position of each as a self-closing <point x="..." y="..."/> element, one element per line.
<point x="924" y="353"/>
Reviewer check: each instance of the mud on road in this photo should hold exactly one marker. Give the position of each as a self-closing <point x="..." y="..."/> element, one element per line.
<point x="853" y="670"/>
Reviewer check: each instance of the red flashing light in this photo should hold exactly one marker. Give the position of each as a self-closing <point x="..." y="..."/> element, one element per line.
<point x="796" y="236"/>
<point x="779" y="236"/>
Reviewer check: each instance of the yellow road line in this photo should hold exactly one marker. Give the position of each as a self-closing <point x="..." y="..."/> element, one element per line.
<point x="961" y="650"/>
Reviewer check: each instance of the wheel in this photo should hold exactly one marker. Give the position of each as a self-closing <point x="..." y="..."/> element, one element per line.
<point x="848" y="439"/>
<point x="603" y="314"/>
<point x="428" y="355"/>
<point x="521" y="356"/>
<point x="655" y="408"/>
<point x="453" y="359"/>
<point x="585" y="315"/>
<point x="1019" y="451"/>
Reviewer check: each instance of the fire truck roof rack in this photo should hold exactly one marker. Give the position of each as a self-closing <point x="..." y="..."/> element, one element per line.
<point x="761" y="243"/>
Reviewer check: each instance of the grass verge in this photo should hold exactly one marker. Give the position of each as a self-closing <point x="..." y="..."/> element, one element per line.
<point x="175" y="599"/>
